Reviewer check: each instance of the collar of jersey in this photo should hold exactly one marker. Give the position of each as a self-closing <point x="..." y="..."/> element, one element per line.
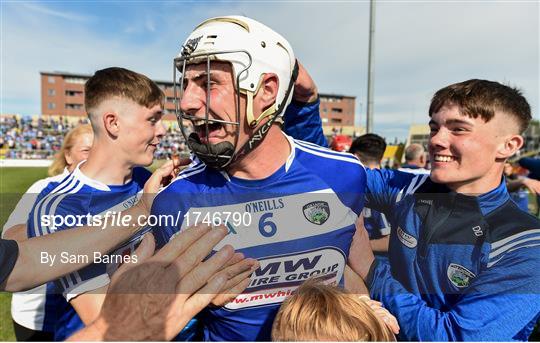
<point x="491" y="200"/>
<point x="270" y="179"/>
<point x="95" y="183"/>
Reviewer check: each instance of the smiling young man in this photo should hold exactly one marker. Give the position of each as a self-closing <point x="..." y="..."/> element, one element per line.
<point x="279" y="197"/>
<point x="125" y="110"/>
<point x="463" y="257"/>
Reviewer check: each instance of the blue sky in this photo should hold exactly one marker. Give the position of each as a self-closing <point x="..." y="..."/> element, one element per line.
<point x="420" y="46"/>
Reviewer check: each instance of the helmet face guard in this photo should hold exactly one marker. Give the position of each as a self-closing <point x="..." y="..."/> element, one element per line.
<point x="253" y="50"/>
<point x="214" y="155"/>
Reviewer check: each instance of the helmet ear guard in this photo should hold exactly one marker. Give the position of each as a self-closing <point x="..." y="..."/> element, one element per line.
<point x="253" y="50"/>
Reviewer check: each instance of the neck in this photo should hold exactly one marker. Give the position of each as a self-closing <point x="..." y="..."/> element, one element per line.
<point x="101" y="167"/>
<point x="482" y="185"/>
<point x="266" y="159"/>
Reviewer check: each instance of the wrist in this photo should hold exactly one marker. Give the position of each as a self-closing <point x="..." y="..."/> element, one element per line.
<point x="366" y="267"/>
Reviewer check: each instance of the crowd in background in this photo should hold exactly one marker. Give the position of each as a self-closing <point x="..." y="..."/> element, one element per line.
<point x="27" y="138"/>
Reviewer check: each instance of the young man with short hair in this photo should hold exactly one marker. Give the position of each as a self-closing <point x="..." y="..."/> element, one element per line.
<point x="125" y="109"/>
<point x="463" y="257"/>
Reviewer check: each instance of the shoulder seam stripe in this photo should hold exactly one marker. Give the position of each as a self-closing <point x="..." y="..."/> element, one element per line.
<point x="326" y="150"/>
<point x="334" y="157"/>
<point x="41" y="207"/>
<point x="490" y="264"/>
<point x="185" y="174"/>
<point x="501" y="250"/>
<point x="498" y="244"/>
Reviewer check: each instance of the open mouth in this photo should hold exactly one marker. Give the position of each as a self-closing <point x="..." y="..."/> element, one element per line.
<point x="443" y="158"/>
<point x="214" y="129"/>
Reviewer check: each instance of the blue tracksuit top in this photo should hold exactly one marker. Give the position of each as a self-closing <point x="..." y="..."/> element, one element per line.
<point x="461" y="267"/>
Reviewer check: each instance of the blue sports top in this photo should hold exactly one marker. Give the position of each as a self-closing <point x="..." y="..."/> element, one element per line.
<point x="298" y="223"/>
<point x="76" y="194"/>
<point x="461" y="267"/>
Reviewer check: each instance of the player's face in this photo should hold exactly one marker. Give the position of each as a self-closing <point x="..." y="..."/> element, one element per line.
<point x="463" y="150"/>
<point x="80" y="150"/>
<point x="141" y="130"/>
<point x="222" y="105"/>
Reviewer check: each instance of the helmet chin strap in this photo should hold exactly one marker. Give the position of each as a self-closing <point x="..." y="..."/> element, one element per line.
<point x="213" y="155"/>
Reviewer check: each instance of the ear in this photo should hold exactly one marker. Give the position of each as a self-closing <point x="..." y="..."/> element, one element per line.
<point x="510" y="146"/>
<point x="111" y="123"/>
<point x="68" y="157"/>
<point x="268" y="90"/>
<point x="423" y="159"/>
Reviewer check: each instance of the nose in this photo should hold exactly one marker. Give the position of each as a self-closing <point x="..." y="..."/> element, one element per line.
<point x="193" y="99"/>
<point x="438" y="140"/>
<point x="160" y="129"/>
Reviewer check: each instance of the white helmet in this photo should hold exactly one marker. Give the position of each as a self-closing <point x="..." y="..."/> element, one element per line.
<point x="253" y="50"/>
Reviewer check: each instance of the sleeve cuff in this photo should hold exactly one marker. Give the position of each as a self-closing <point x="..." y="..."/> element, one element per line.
<point x="371" y="273"/>
<point x="304" y="104"/>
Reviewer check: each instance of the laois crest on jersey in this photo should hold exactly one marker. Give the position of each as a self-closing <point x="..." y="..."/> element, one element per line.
<point x="298" y="222"/>
<point x="78" y="195"/>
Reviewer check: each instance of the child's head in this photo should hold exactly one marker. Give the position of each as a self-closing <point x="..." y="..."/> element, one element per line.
<point x="318" y="312"/>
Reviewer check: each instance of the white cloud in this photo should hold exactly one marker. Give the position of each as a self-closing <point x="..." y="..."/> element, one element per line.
<point x="58" y="14"/>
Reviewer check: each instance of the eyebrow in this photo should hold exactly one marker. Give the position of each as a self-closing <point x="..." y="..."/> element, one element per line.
<point x="157" y="113"/>
<point x="451" y="121"/>
<point x="200" y="76"/>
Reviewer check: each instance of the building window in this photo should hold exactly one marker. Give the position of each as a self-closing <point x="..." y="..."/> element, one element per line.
<point x="52" y="92"/>
<point x="73" y="93"/>
<point x="337" y="110"/>
<point x="51" y="79"/>
<point x="77" y="80"/>
<point x="74" y="106"/>
<point x="335" y="120"/>
<point x="51" y="105"/>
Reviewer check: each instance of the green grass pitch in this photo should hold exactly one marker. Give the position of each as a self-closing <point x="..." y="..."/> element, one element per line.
<point x="13" y="183"/>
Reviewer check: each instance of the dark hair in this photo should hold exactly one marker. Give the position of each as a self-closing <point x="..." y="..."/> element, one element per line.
<point x="483" y="98"/>
<point x="369" y="147"/>
<point x="114" y="81"/>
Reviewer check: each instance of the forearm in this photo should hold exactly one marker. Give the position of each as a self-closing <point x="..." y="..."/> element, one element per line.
<point x="16" y="233"/>
<point x="380" y="245"/>
<point x="84" y="241"/>
<point x="417" y="321"/>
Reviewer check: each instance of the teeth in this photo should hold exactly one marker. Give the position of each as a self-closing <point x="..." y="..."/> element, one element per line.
<point x="198" y="122"/>
<point x="440" y="158"/>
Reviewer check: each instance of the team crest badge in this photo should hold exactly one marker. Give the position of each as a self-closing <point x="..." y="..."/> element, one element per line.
<point x="317" y="212"/>
<point x="459" y="276"/>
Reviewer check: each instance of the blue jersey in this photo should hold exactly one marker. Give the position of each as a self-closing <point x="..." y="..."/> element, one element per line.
<point x="462" y="267"/>
<point x="302" y="121"/>
<point x="375" y="223"/>
<point x="72" y="199"/>
<point x="298" y="222"/>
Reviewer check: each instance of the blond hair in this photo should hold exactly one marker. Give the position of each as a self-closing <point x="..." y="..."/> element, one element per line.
<point x="59" y="162"/>
<point x="318" y="312"/>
